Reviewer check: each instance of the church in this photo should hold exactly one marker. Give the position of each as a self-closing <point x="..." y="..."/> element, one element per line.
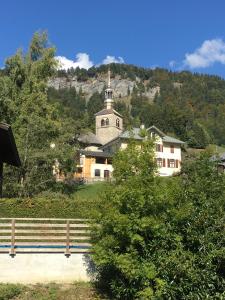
<point x="95" y="157"/>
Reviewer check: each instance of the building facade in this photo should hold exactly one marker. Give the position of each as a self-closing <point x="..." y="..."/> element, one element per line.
<point x="95" y="158"/>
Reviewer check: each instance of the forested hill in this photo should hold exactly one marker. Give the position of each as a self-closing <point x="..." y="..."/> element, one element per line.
<point x="186" y="105"/>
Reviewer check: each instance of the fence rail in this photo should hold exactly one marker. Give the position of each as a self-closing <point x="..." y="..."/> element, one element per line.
<point x="31" y="235"/>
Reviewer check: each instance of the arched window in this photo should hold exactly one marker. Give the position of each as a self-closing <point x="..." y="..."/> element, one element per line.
<point x="117" y="123"/>
<point x="102" y="122"/>
<point x="106" y="121"/>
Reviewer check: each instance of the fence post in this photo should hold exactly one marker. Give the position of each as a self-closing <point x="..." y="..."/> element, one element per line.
<point x="67" y="253"/>
<point x="12" y="250"/>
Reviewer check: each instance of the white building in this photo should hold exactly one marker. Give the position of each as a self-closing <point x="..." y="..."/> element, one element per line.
<point x="98" y="149"/>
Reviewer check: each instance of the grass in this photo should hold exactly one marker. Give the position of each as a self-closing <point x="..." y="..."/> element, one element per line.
<point x="55" y="205"/>
<point x="76" y="291"/>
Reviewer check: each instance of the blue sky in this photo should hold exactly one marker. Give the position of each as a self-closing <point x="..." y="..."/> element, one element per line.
<point x="172" y="34"/>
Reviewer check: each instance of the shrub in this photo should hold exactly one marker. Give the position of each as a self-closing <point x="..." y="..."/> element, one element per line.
<point x="161" y="239"/>
<point x="9" y="291"/>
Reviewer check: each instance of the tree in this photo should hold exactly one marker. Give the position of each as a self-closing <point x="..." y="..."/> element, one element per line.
<point x="161" y="238"/>
<point x="198" y="136"/>
<point x="35" y="121"/>
<point x="95" y="104"/>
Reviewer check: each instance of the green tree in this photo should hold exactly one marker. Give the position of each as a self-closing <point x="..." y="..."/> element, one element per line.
<point x="95" y="104"/>
<point x="161" y="238"/>
<point x="198" y="136"/>
<point x="35" y="121"/>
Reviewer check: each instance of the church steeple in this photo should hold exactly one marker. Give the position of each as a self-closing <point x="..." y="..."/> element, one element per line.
<point x="108" y="122"/>
<point x="109" y="94"/>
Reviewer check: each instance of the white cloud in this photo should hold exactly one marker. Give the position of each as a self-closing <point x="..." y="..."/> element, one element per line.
<point x="82" y="61"/>
<point x="112" y="59"/>
<point x="210" y="52"/>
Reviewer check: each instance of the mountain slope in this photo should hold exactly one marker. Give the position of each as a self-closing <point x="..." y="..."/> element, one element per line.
<point x="189" y="106"/>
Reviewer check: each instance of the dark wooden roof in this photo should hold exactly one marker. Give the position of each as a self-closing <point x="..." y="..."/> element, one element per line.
<point x="96" y="153"/>
<point x="8" y="149"/>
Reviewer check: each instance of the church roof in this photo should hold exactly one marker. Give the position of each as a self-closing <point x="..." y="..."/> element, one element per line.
<point x="107" y="112"/>
<point x="96" y="153"/>
<point x="134" y="133"/>
<point x="89" y="138"/>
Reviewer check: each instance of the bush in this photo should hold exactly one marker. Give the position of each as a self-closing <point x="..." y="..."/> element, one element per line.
<point x="9" y="291"/>
<point x="54" y="204"/>
<point x="161" y="239"/>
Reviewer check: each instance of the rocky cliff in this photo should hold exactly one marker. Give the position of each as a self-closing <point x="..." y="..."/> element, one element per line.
<point x="121" y="87"/>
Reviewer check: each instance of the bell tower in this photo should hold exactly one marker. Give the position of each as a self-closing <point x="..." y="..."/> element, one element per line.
<point x="108" y="122"/>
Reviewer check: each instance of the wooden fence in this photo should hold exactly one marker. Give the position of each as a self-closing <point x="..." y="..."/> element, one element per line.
<point x="31" y="235"/>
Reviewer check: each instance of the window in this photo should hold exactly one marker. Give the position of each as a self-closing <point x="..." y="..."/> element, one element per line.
<point x="159" y="162"/>
<point x="172" y="163"/>
<point x="117" y="123"/>
<point x="102" y="122"/>
<point x="106" y="173"/>
<point x="97" y="172"/>
<point x="79" y="170"/>
<point x="171" y="148"/>
<point x="159" y="148"/>
<point x="81" y="160"/>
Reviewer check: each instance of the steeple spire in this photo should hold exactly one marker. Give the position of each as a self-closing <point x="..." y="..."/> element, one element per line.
<point x="109" y="79"/>
<point x="109" y="93"/>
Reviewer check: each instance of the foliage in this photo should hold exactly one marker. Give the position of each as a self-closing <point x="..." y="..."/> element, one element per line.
<point x="35" y="121"/>
<point x="9" y="291"/>
<point x="161" y="238"/>
<point x="188" y="105"/>
<point x="80" y="204"/>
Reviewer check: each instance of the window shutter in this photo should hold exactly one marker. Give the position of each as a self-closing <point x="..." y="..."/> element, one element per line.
<point x="168" y="163"/>
<point x="161" y="148"/>
<point x="164" y="162"/>
<point x="176" y="163"/>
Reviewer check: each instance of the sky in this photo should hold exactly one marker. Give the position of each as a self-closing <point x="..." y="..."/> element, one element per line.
<point x="173" y="34"/>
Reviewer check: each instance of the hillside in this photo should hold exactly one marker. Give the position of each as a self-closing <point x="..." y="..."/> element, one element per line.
<point x="188" y="106"/>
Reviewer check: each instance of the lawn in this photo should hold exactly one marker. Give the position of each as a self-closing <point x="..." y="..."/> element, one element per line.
<point x="80" y="204"/>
